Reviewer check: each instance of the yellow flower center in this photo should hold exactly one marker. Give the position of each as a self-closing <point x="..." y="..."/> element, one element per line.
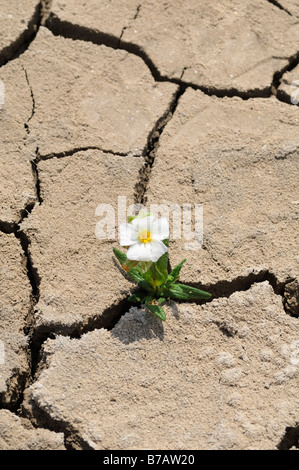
<point x="145" y="236"/>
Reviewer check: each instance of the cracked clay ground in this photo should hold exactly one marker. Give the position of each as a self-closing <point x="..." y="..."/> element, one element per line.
<point x="172" y="102"/>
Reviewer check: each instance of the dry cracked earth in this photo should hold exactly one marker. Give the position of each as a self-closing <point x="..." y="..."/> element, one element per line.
<point x="163" y="102"/>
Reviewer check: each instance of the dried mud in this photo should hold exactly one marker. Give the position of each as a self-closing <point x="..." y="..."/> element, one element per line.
<point x="164" y="103"/>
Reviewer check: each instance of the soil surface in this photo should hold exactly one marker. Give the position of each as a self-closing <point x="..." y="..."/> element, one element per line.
<point x="186" y="106"/>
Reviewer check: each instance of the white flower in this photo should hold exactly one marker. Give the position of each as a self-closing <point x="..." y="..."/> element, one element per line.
<point x="144" y="238"/>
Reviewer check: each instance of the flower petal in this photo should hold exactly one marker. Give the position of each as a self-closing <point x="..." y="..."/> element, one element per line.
<point x="144" y="223"/>
<point x="139" y="252"/>
<point x="127" y="234"/>
<point x="158" y="249"/>
<point x="160" y="229"/>
<point x="151" y="251"/>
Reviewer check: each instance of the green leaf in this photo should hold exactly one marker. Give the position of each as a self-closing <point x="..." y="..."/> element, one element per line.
<point x="175" y="273"/>
<point x="166" y="242"/>
<point x="182" y="292"/>
<point x="162" y="265"/>
<point x="156" y="310"/>
<point x="154" y="276"/>
<point x="138" y="297"/>
<point x="122" y="257"/>
<point x="138" y="276"/>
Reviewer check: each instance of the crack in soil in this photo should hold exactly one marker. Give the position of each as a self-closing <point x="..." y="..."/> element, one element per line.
<point x="77" y="32"/>
<point x="278" y="5"/>
<point x="73" y="440"/>
<point x="22" y="378"/>
<point x="22" y="43"/>
<point x="73" y="151"/>
<point x="43" y="16"/>
<point x="224" y="288"/>
<point x="290" y="438"/>
<point x="34" y="165"/>
<point x="26" y="125"/>
<point x="135" y="16"/>
<point x="112" y="314"/>
<point x="108" y="320"/>
<point x="41" y="419"/>
<point x="82" y="33"/>
<point x="32" y="271"/>
<point x="280" y="94"/>
<point x="45" y="10"/>
<point x="17" y="382"/>
<point x="151" y="149"/>
<point x="287" y="154"/>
